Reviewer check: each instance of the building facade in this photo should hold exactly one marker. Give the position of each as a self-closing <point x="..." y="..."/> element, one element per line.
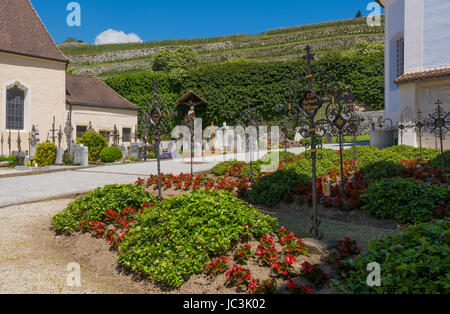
<point x="36" y="91"/>
<point x="417" y="62"/>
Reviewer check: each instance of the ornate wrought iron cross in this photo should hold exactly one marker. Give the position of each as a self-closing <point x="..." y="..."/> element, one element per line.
<point x="19" y="142"/>
<point x="53" y="130"/>
<point x="189" y="122"/>
<point x="250" y="118"/>
<point x="290" y="118"/>
<point x="60" y="136"/>
<point x="339" y="113"/>
<point x="439" y="122"/>
<point x="9" y="142"/>
<point x="309" y="104"/>
<point x="155" y="122"/>
<point x="68" y="129"/>
<point x="419" y="125"/>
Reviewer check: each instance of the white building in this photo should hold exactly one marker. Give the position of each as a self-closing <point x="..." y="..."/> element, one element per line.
<point x="417" y="56"/>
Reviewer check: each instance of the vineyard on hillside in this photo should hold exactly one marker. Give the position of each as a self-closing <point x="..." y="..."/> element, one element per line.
<point x="274" y="45"/>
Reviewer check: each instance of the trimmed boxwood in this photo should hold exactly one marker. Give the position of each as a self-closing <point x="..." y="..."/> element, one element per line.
<point x="45" y="154"/>
<point x="176" y="238"/>
<point x="94" y="205"/>
<point x="416" y="261"/>
<point x="406" y="200"/>
<point x="110" y="154"/>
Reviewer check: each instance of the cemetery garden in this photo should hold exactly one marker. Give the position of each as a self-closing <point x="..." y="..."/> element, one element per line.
<point x="234" y="234"/>
<point x="313" y="225"/>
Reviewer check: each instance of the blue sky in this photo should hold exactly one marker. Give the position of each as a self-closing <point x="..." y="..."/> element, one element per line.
<point x="174" y="19"/>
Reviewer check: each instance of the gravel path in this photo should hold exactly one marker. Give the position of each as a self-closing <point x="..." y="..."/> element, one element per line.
<point x="34" y="261"/>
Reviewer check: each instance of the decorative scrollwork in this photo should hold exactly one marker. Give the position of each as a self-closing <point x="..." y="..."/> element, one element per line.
<point x="309" y="104"/>
<point x="154" y="122"/>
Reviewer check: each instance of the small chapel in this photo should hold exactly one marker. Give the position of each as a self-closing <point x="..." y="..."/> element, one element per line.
<point x="36" y="93"/>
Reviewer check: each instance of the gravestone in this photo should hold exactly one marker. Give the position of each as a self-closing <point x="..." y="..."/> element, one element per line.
<point x="382" y="138"/>
<point x="81" y="155"/>
<point x="164" y="148"/>
<point x="124" y="151"/>
<point x="135" y="149"/>
<point x="298" y="137"/>
<point x="59" y="156"/>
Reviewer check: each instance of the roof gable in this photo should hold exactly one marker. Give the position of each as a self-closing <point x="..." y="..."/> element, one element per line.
<point x="92" y="92"/>
<point x="22" y="32"/>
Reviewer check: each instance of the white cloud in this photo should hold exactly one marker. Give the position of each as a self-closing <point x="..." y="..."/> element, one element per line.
<point x="111" y="36"/>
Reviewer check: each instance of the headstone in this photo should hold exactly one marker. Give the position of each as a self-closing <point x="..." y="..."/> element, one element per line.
<point x="298" y="137"/>
<point x="173" y="147"/>
<point x="124" y="151"/>
<point x="382" y="138"/>
<point x="164" y="148"/>
<point x="135" y="150"/>
<point x="59" y="156"/>
<point x="81" y="155"/>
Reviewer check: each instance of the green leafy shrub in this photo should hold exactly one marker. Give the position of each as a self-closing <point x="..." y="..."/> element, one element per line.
<point x="110" y="154"/>
<point x="410" y="152"/>
<point x="270" y="189"/>
<point x="94" y="205"/>
<point x="182" y="58"/>
<point x="436" y="162"/>
<point x="176" y="238"/>
<point x="45" y="154"/>
<point x="382" y="169"/>
<point x="95" y="142"/>
<point x="406" y="200"/>
<point x="12" y="159"/>
<point x="2" y="158"/>
<point x="416" y="261"/>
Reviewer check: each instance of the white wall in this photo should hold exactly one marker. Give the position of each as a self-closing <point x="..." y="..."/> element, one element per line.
<point x="395" y="25"/>
<point x="414" y="35"/>
<point x="436" y="33"/>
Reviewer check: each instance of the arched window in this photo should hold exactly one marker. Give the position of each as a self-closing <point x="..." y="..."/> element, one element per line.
<point x="15" y="100"/>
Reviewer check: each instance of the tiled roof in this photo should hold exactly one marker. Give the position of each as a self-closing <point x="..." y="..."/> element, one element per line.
<point x="92" y="92"/>
<point x="22" y="32"/>
<point x="423" y="75"/>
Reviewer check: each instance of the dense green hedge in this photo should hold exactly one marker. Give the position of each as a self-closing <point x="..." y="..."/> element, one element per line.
<point x="230" y="86"/>
<point x="406" y="200"/>
<point x="416" y="261"/>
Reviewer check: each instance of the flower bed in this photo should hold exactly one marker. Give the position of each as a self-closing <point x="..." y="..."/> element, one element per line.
<point x="176" y="238"/>
<point x="416" y="261"/>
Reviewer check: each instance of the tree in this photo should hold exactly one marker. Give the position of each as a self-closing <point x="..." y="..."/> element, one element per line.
<point x="167" y="60"/>
<point x="359" y="14"/>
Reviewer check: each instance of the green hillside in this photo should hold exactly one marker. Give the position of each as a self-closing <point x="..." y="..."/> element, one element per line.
<point x="273" y="45"/>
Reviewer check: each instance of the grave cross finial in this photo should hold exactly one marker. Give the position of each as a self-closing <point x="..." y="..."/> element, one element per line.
<point x="309" y="56"/>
